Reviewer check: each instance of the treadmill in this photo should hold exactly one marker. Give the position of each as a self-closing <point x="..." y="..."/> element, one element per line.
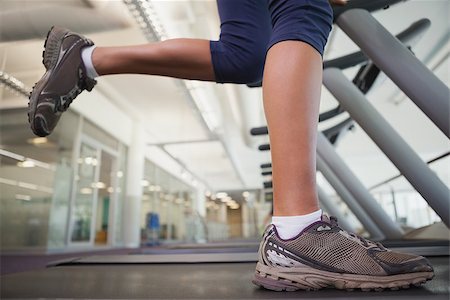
<point x="211" y="271"/>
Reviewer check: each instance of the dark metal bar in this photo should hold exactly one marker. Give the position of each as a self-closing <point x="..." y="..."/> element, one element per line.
<point x="368" y="5"/>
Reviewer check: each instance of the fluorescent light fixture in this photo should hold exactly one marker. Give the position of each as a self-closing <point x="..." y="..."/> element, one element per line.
<point x="23" y="197"/>
<point x="99" y="185"/>
<point x="14" y="84"/>
<point x="221" y="195"/>
<point x="86" y="191"/>
<point x="227" y="199"/>
<point x="26" y="185"/>
<point x="90" y="161"/>
<point x="150" y="24"/>
<point x="8" y="181"/>
<point x="12" y="155"/>
<point x="26" y="164"/>
<point x="38" y="141"/>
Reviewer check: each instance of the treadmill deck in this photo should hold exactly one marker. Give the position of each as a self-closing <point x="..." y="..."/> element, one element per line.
<point x="195" y="280"/>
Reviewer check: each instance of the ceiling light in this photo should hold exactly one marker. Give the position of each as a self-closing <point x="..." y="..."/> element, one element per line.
<point x="226" y="199"/>
<point x="23" y="197"/>
<point x="27" y="185"/>
<point x="221" y="195"/>
<point x="86" y="191"/>
<point x="26" y="164"/>
<point x="99" y="185"/>
<point x="38" y="141"/>
<point x="120" y="174"/>
<point x="14" y="84"/>
<point x="90" y="161"/>
<point x="8" y="181"/>
<point x="145" y="183"/>
<point x="12" y="155"/>
<point x="245" y="194"/>
<point x="147" y="19"/>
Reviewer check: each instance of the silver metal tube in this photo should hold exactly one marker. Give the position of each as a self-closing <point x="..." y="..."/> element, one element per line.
<point x="390" y="142"/>
<point x="366" y="220"/>
<point x="430" y="94"/>
<point x="326" y="151"/>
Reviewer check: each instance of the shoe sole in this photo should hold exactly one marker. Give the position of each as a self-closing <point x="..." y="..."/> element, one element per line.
<point x="50" y="57"/>
<point x="305" y="278"/>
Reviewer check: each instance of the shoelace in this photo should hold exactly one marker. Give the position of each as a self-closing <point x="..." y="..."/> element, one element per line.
<point x="364" y="241"/>
<point x="84" y="83"/>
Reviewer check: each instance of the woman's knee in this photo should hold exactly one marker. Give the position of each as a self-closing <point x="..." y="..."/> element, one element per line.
<point x="238" y="65"/>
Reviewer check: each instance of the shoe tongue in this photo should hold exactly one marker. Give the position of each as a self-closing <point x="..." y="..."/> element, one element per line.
<point x="325" y="218"/>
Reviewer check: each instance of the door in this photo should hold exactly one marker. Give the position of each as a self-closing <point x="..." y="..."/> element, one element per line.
<point x="95" y="195"/>
<point x="85" y="195"/>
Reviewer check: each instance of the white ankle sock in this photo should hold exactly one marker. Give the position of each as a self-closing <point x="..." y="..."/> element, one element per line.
<point x="289" y="227"/>
<point x="86" y="56"/>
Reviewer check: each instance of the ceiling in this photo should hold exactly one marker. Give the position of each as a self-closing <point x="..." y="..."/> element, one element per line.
<point x="226" y="159"/>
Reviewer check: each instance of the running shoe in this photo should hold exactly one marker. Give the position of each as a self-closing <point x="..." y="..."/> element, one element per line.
<point x="323" y="255"/>
<point x="63" y="81"/>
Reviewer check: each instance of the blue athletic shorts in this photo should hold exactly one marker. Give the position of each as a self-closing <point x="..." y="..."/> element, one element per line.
<point x="250" y="27"/>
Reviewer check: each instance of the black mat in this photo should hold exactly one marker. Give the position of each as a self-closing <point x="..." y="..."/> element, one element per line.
<point x="185" y="281"/>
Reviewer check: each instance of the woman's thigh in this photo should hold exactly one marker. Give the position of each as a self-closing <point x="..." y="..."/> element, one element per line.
<point x="246" y="28"/>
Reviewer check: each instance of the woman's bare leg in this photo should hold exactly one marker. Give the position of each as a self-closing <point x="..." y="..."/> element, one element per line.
<point x="291" y="90"/>
<point x="180" y="58"/>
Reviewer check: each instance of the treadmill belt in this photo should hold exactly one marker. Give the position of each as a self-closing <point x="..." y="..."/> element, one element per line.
<point x="185" y="281"/>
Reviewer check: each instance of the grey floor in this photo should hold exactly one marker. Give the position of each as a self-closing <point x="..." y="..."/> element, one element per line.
<point x="185" y="281"/>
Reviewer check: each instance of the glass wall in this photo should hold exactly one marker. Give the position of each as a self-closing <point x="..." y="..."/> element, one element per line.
<point x="404" y="204"/>
<point x="61" y="190"/>
<point x="35" y="179"/>
<point x="97" y="199"/>
<point x="237" y="214"/>
<point x="168" y="208"/>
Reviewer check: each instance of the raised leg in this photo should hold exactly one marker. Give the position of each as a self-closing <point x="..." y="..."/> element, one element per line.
<point x="180" y="58"/>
